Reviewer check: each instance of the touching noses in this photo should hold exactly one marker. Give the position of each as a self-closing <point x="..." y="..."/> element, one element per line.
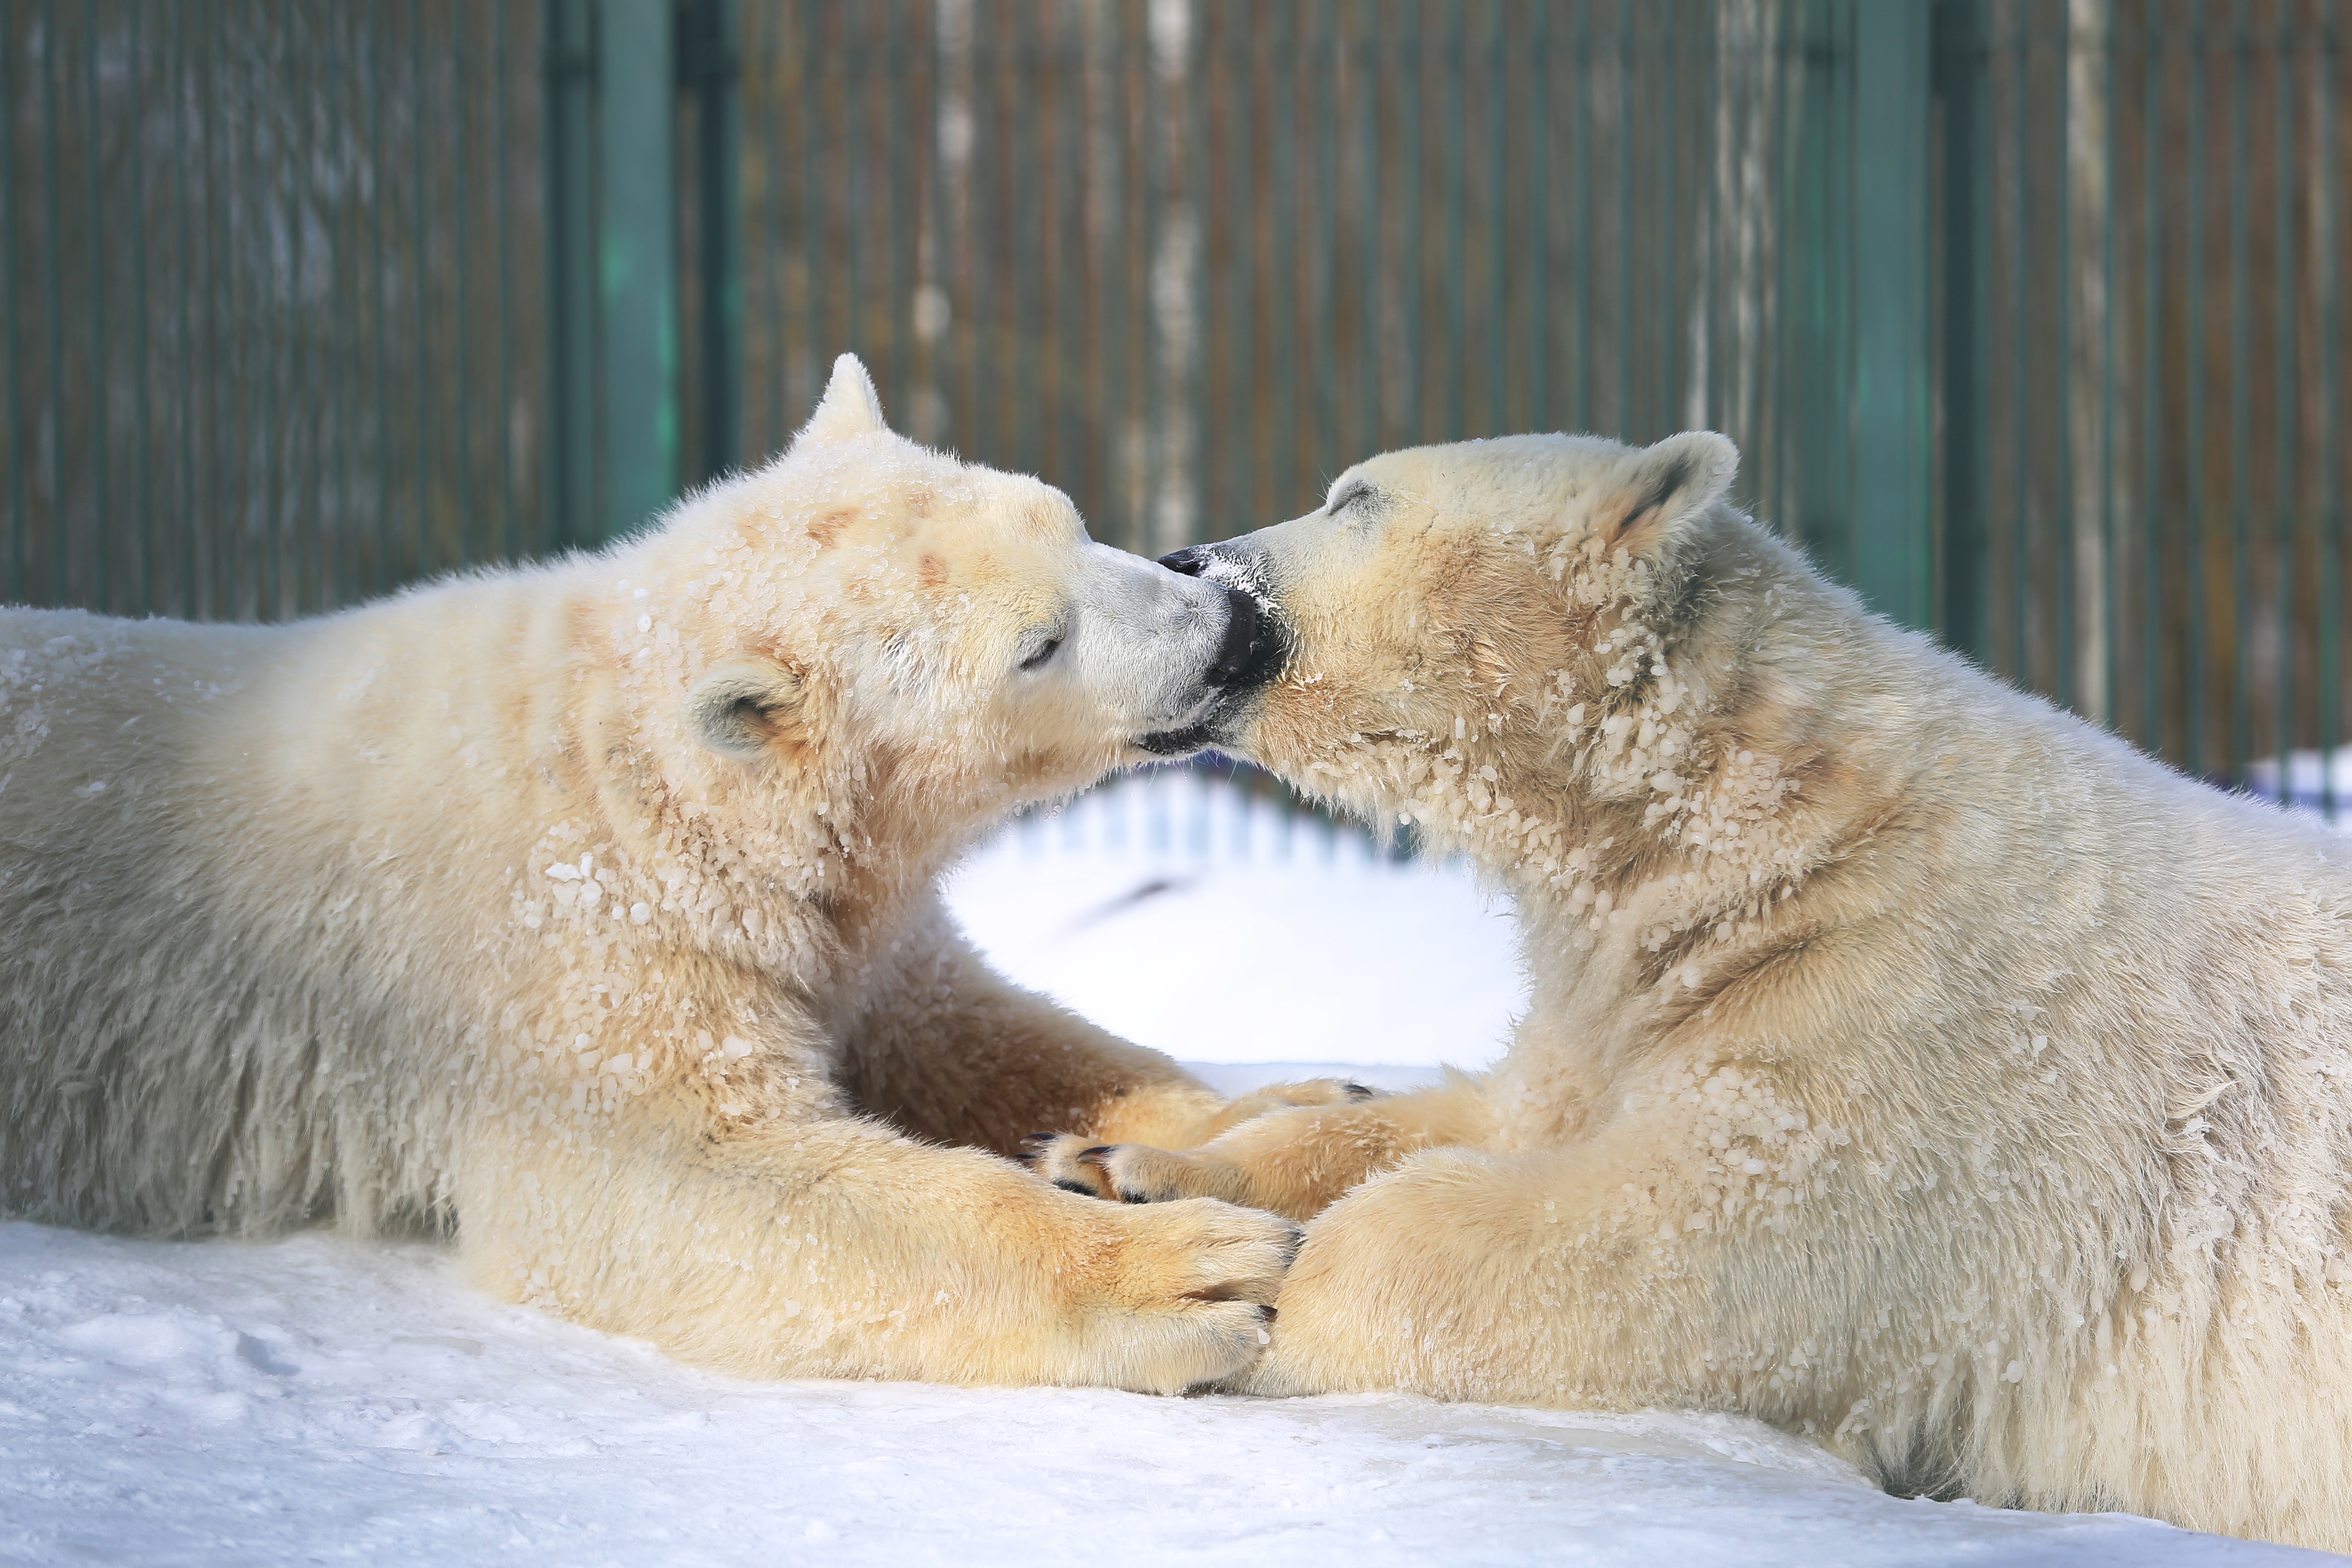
<point x="1249" y="652"/>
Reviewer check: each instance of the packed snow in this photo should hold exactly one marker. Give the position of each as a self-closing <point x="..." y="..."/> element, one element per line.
<point x="317" y="1399"/>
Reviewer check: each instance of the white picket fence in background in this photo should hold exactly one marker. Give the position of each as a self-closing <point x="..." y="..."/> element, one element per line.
<point x="1208" y="813"/>
<point x="1197" y="813"/>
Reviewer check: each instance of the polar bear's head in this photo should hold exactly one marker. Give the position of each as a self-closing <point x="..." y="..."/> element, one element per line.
<point x="870" y="611"/>
<point x="1446" y="599"/>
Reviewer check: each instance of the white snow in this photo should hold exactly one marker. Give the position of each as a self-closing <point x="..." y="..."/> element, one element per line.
<point x="314" y="1399"/>
<point x="1185" y="916"/>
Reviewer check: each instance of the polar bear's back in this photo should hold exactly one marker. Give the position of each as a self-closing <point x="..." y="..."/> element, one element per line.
<point x="109" y="1058"/>
<point x="199" y="985"/>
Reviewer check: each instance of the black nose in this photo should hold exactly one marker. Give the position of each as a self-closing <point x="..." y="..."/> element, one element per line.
<point x="1243" y="649"/>
<point x="1192" y="561"/>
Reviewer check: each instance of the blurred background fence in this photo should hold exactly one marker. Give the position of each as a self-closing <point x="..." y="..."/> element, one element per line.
<point x="2027" y="314"/>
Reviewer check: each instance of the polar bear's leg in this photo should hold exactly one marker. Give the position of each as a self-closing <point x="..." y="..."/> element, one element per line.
<point x="1509" y="1278"/>
<point x="1293" y="1161"/>
<point x="831" y="1248"/>
<point x="949" y="1049"/>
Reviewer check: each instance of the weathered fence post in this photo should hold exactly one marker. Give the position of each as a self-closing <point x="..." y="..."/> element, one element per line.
<point x="611" y="265"/>
<point x="1893" y="516"/>
<point x="1962" y="28"/>
<point x="707" y="68"/>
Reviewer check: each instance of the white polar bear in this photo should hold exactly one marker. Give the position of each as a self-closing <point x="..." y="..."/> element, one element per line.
<point x="1909" y="1064"/>
<point x="589" y="907"/>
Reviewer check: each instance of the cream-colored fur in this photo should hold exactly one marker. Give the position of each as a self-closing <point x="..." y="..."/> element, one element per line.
<point x="1908" y="1064"/>
<point x="589" y="908"/>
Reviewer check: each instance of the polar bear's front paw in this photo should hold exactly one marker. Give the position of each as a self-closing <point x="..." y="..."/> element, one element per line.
<point x="1190" y="1295"/>
<point x="1134" y="1173"/>
<point x="1055" y="1156"/>
<point x="1141" y="1173"/>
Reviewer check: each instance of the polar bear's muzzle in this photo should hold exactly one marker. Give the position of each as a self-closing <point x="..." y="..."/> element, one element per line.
<point x="1249" y="655"/>
<point x="1255" y="645"/>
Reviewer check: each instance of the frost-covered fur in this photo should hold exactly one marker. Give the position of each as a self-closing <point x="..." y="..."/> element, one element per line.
<point x="1909" y="1064"/>
<point x="589" y="908"/>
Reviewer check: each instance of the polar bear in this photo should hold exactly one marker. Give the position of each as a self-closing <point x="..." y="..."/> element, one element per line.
<point x="589" y="908"/>
<point x="1908" y="1063"/>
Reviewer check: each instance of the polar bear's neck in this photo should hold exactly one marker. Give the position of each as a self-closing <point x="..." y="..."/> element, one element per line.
<point x="1754" y="739"/>
<point x="1675" y="790"/>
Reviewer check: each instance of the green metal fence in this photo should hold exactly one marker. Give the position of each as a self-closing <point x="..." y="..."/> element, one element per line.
<point x="2142" y="354"/>
<point x="2026" y="313"/>
<point x="270" y="315"/>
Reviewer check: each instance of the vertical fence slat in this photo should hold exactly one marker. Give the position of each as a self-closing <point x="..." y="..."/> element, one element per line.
<point x="814" y="263"/>
<point x="136" y="70"/>
<point x="184" y="202"/>
<point x="2020" y="391"/>
<point x="2062" y="338"/>
<point x="1892" y="520"/>
<point x="2283" y="498"/>
<point x="52" y="180"/>
<point x="1622" y="329"/>
<point x="1539" y="202"/>
<point x="2151" y="434"/>
<point x="2193" y="518"/>
<point x="263" y="331"/>
<point x="465" y="540"/>
<point x="502" y="209"/>
<point x="1961" y="89"/>
<point x="2240" y="576"/>
<point x="1284" y="296"/>
<point x="100" y="590"/>
<point x="297" y="534"/>
<point x="2110" y="585"/>
<point x="1582" y="200"/>
<point x="1413" y="189"/>
<point x="340" y="459"/>
<point x="19" y="459"/>
<point x="1451" y="65"/>
<point x="1498" y="226"/>
<point x="1669" y="21"/>
<point x="2328" y="251"/>
<point x="1368" y="80"/>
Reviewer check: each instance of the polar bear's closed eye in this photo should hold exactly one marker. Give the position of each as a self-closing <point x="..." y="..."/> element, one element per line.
<point x="1039" y="646"/>
<point x="736" y="709"/>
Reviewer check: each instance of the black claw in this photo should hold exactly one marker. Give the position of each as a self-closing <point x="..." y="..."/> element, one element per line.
<point x="1095" y="1154"/>
<point x="1041" y="1138"/>
<point x="1266" y="1315"/>
<point x="1078" y="1187"/>
<point x="1128" y="1197"/>
<point x="1356" y="1091"/>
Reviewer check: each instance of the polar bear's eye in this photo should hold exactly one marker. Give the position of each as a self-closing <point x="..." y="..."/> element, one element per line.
<point x="1039" y="647"/>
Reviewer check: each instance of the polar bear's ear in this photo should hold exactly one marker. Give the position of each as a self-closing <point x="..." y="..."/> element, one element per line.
<point x="850" y="406"/>
<point x="742" y="709"/>
<point x="1659" y="486"/>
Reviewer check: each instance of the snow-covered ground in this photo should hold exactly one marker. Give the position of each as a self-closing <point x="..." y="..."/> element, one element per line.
<point x="317" y="1400"/>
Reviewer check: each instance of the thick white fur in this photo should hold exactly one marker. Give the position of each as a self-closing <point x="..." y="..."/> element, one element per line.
<point x="1909" y="1064"/>
<point x="589" y="907"/>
